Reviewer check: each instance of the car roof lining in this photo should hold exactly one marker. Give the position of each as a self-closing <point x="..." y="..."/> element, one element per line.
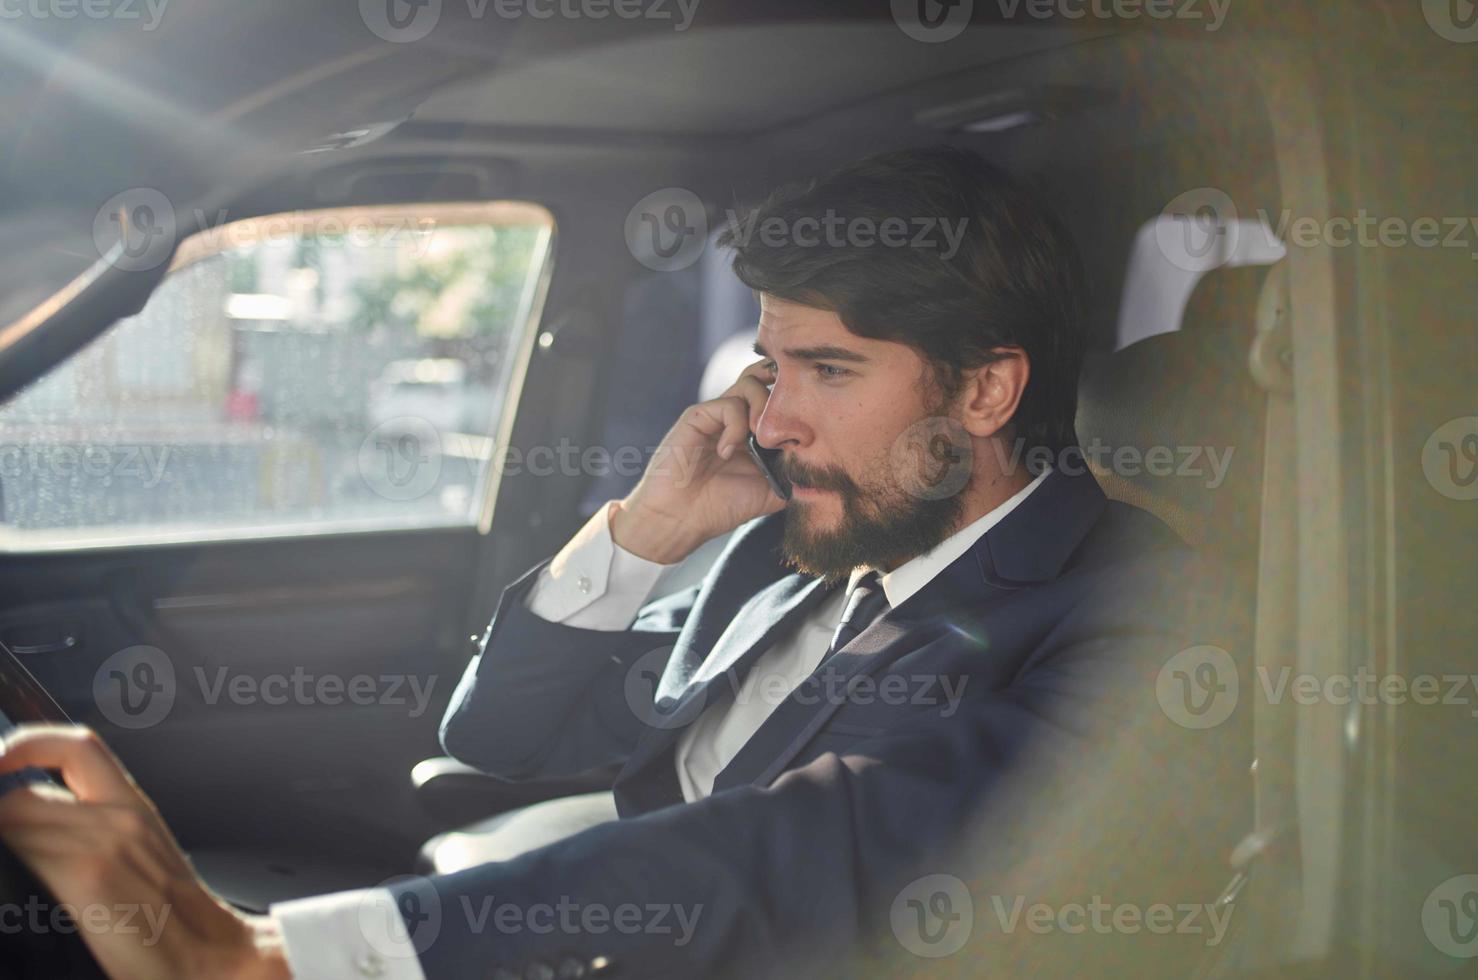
<point x="565" y="159"/>
<point x="728" y="80"/>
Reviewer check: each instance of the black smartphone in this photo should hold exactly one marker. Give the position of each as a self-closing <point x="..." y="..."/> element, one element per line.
<point x="768" y="460"/>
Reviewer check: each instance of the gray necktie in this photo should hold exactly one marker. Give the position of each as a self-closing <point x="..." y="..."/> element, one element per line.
<point x="865" y="603"/>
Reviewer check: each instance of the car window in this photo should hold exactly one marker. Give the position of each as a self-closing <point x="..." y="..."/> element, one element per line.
<point x="330" y="370"/>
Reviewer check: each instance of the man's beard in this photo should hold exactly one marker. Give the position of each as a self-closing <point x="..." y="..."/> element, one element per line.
<point x="879" y="529"/>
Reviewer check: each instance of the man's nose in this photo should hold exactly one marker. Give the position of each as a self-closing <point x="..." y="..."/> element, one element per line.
<point x="780" y="424"/>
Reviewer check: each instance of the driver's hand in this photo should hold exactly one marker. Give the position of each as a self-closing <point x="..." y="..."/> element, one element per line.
<point x="100" y="847"/>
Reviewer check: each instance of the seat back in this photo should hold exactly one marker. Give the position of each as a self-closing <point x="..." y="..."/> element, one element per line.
<point x="1174" y="422"/>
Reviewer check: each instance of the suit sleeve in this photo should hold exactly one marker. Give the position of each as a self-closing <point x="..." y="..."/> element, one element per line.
<point x="1060" y="780"/>
<point x="547" y="694"/>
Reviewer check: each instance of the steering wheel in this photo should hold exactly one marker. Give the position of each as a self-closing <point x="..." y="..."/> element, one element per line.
<point x="37" y="937"/>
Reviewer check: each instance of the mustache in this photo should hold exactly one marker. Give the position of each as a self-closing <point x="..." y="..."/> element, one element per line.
<point x="819" y="478"/>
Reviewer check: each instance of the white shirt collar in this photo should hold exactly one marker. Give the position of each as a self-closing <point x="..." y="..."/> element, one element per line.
<point x="917" y="572"/>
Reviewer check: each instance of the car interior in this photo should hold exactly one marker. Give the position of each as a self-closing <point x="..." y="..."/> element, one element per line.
<point x="217" y="464"/>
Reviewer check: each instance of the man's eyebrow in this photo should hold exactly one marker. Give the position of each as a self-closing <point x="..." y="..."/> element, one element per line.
<point x="824" y="352"/>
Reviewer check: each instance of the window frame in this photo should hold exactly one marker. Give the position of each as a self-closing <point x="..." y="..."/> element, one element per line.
<point x="256" y="229"/>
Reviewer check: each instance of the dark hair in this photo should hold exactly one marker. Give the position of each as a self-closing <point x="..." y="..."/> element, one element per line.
<point x="1013" y="278"/>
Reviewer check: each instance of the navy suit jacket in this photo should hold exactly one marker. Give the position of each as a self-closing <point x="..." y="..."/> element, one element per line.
<point x="1001" y="726"/>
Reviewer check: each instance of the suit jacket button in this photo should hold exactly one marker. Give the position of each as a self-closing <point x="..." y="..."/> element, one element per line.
<point x="370" y="965"/>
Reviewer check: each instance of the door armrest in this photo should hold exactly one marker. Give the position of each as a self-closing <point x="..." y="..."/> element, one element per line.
<point x="457" y="793"/>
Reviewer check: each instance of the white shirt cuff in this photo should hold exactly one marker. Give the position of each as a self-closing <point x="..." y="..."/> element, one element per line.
<point x="354" y="935"/>
<point x="594" y="583"/>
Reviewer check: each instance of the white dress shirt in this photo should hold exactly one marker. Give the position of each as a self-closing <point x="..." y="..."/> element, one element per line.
<point x="594" y="583"/>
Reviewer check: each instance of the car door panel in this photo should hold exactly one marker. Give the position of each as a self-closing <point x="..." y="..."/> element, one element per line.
<point x="303" y="674"/>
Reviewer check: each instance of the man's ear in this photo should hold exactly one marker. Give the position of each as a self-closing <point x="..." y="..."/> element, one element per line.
<point x="992" y="391"/>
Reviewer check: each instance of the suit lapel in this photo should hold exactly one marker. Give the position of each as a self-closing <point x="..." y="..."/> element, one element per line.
<point x="682" y="697"/>
<point x="796" y="720"/>
<point x="754" y="629"/>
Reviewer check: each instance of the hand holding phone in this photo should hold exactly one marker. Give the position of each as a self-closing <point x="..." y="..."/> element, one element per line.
<point x="703" y="480"/>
